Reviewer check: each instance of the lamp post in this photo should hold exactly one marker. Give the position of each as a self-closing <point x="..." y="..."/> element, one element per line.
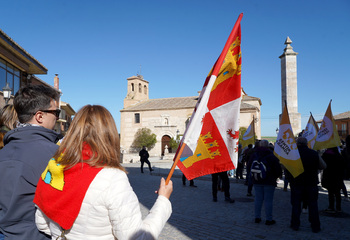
<point x="7" y="92"/>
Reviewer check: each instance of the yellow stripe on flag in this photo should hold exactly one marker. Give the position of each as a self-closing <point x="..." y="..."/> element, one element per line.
<point x="286" y="148"/>
<point x="327" y="136"/>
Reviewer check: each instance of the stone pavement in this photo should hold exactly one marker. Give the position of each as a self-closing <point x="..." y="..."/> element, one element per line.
<point x="196" y="216"/>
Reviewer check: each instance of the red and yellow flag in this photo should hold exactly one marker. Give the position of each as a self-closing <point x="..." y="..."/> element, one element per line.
<point x="327" y="136"/>
<point x="210" y="142"/>
<point x="286" y="148"/>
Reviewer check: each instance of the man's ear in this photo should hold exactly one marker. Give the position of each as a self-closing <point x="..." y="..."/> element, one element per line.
<point x="39" y="117"/>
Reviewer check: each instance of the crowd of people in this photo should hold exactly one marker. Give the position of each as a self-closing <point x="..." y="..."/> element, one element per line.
<point x="325" y="169"/>
<point x="68" y="190"/>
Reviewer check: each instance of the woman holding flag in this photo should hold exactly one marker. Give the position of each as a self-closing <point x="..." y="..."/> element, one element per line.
<point x="84" y="192"/>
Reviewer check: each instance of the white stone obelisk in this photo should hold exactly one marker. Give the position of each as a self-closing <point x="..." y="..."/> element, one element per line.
<point x="289" y="85"/>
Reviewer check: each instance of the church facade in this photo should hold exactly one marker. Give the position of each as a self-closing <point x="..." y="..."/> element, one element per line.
<point x="168" y="117"/>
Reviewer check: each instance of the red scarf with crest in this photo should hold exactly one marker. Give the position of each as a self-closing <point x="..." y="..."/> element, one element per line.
<point x="60" y="193"/>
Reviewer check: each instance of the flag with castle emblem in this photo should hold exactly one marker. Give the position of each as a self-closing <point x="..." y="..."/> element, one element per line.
<point x="310" y="132"/>
<point x="327" y="136"/>
<point x="286" y="148"/>
<point x="249" y="135"/>
<point x="210" y="142"/>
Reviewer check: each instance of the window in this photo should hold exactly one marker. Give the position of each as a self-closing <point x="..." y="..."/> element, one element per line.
<point x="9" y="74"/>
<point x="132" y="87"/>
<point x="140" y="88"/>
<point x="343" y="126"/>
<point x="137" y="118"/>
<point x="145" y="89"/>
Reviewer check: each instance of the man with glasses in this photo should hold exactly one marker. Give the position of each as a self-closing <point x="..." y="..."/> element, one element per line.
<point x="27" y="150"/>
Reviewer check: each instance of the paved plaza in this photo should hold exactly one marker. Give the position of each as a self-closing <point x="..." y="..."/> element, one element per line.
<point x="196" y="216"/>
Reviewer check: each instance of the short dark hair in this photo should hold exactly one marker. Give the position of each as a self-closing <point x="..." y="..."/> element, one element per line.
<point x="32" y="98"/>
<point x="301" y="141"/>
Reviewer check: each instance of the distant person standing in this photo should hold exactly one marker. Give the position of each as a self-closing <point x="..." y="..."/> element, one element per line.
<point x="144" y="159"/>
<point x="332" y="178"/>
<point x="225" y="186"/>
<point x="264" y="183"/>
<point x="184" y="181"/>
<point x="304" y="187"/>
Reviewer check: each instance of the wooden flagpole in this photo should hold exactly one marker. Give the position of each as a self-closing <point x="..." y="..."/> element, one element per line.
<point x="215" y="72"/>
<point x="177" y="158"/>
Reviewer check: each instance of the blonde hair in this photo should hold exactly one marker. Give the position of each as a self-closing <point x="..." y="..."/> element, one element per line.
<point x="8" y="117"/>
<point x="95" y="126"/>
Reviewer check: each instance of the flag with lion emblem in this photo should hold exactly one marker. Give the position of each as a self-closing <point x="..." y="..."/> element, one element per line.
<point x="210" y="142"/>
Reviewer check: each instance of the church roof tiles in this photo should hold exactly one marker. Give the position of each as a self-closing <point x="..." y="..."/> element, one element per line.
<point x="176" y="103"/>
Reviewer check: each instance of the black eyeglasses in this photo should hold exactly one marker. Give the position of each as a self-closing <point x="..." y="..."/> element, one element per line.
<point x="54" y="112"/>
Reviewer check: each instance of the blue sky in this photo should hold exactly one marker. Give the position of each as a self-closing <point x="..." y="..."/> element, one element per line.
<point x="95" y="46"/>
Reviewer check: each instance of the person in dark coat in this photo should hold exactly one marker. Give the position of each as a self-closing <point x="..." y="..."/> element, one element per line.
<point x="265" y="188"/>
<point x="28" y="148"/>
<point x="346" y="155"/>
<point x="332" y="178"/>
<point x="144" y="159"/>
<point x="304" y="187"/>
<point x="248" y="153"/>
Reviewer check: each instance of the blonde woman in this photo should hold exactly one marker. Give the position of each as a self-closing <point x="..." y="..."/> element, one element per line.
<point x="84" y="193"/>
<point x="8" y="121"/>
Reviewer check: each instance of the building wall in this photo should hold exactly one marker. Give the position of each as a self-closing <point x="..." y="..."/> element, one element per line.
<point x="246" y="117"/>
<point x="161" y="122"/>
<point x="343" y="131"/>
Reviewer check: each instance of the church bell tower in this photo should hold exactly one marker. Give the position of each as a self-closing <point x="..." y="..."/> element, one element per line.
<point x="137" y="91"/>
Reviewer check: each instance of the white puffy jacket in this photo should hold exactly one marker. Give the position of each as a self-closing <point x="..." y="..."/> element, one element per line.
<point x="111" y="210"/>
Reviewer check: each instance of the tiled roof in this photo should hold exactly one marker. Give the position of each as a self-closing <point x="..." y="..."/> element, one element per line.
<point x="343" y="115"/>
<point x="164" y="103"/>
<point x="172" y="103"/>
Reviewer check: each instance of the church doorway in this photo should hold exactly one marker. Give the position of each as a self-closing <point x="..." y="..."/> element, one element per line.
<point x="166" y="142"/>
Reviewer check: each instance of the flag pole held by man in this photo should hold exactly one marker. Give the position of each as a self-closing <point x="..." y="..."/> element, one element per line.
<point x="285" y="148"/>
<point x="210" y="142"/>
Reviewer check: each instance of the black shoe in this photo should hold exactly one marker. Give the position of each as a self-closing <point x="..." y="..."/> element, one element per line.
<point x="249" y="194"/>
<point x="230" y="200"/>
<point x="329" y="210"/>
<point x="257" y="220"/>
<point x="141" y="172"/>
<point x="295" y="228"/>
<point x="193" y="186"/>
<point x="270" y="222"/>
<point x="151" y="170"/>
<point x="316" y="230"/>
<point x="215" y="199"/>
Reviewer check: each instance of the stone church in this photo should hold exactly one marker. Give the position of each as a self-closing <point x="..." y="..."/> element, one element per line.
<point x="167" y="117"/>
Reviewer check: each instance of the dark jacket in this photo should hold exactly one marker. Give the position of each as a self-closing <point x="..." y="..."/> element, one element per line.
<point x="273" y="166"/>
<point x="310" y="160"/>
<point x="332" y="177"/>
<point x="24" y="157"/>
<point x="143" y="155"/>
